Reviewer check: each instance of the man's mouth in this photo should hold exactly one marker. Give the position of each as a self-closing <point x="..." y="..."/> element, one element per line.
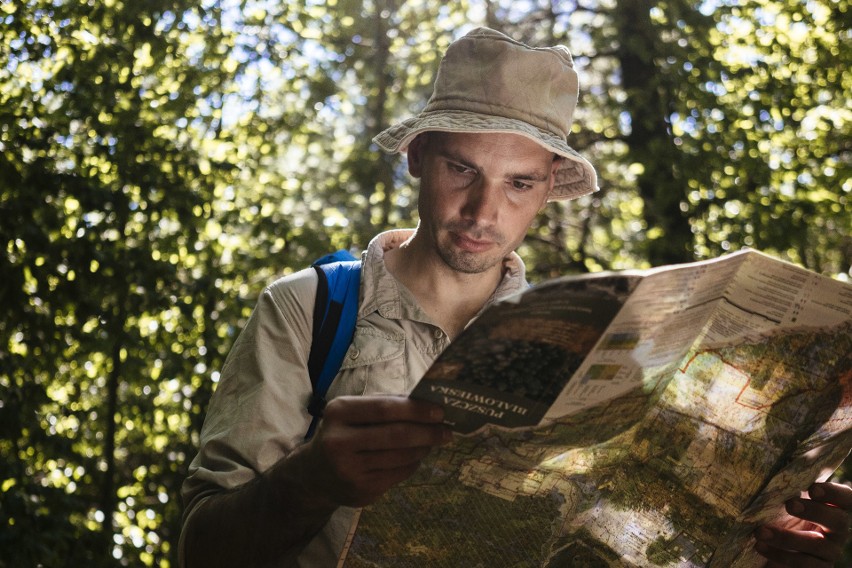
<point x="471" y="244"/>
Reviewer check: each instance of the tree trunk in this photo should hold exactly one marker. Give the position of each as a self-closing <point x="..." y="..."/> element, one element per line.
<point x="384" y="167"/>
<point x="650" y="144"/>
<point x="108" y="493"/>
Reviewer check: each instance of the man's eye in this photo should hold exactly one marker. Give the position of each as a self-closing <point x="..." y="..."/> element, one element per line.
<point x="460" y="169"/>
<point x="521" y="185"/>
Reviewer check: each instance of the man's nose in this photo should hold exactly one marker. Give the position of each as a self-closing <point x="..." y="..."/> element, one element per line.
<point x="482" y="202"/>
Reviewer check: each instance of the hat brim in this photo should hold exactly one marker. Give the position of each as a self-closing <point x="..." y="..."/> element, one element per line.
<point x="574" y="178"/>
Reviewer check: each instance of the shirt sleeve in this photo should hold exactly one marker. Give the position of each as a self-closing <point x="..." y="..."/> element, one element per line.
<point x="258" y="413"/>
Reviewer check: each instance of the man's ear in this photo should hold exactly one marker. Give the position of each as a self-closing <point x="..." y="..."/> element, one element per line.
<point x="554" y="167"/>
<point x="415" y="155"/>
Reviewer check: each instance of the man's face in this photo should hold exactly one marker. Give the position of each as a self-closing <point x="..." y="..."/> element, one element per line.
<point x="478" y="194"/>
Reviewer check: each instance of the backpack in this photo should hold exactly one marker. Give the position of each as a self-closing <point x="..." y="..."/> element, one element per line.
<point x="335" y="312"/>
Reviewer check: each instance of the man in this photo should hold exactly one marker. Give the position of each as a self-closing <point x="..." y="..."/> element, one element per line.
<point x="490" y="150"/>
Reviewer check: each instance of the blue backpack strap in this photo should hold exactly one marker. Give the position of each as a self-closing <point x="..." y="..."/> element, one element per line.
<point x="335" y="312"/>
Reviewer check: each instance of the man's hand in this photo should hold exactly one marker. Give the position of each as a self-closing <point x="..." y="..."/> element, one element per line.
<point x="815" y="532"/>
<point x="367" y="444"/>
<point x="363" y="446"/>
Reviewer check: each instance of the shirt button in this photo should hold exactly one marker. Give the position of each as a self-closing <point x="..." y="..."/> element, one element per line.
<point x="438" y="334"/>
<point x="354" y="354"/>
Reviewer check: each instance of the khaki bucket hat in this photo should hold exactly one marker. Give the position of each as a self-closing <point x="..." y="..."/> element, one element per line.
<point x="488" y="82"/>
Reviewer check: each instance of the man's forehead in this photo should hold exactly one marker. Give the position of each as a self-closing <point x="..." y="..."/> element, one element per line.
<point x="512" y="155"/>
<point x="473" y="141"/>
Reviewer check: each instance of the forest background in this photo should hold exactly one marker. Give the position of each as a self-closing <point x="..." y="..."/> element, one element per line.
<point x="162" y="160"/>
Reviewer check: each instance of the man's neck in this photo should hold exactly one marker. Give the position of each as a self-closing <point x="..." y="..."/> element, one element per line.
<point x="451" y="298"/>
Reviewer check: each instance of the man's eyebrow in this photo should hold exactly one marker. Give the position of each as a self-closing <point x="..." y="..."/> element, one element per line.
<point x="528" y="176"/>
<point x="452" y="156"/>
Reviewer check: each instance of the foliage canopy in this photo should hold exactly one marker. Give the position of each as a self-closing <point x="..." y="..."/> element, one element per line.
<point x="161" y="161"/>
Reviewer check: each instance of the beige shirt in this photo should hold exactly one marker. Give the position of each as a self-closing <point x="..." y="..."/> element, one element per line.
<point x="258" y="413"/>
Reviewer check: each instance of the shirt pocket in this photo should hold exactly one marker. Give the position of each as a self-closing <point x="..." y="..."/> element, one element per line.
<point x="374" y="364"/>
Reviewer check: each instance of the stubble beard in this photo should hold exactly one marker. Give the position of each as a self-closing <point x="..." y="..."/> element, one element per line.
<point x="468" y="262"/>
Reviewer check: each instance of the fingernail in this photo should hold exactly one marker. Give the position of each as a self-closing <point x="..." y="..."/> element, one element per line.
<point x="796" y="507"/>
<point x="817" y="492"/>
<point x="764" y="533"/>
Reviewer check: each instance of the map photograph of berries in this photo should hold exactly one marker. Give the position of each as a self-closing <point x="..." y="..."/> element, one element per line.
<point x="535" y="370"/>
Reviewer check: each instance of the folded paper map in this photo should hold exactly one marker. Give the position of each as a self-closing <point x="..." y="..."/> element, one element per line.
<point x="640" y="418"/>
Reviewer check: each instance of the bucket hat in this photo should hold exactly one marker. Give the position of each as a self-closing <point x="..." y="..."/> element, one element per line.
<point x="488" y="82"/>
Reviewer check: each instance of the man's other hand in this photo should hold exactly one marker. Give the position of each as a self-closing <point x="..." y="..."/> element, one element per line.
<point x="367" y="444"/>
<point x="815" y="532"/>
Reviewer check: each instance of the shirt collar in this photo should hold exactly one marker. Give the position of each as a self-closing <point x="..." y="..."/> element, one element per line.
<point x="383" y="293"/>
